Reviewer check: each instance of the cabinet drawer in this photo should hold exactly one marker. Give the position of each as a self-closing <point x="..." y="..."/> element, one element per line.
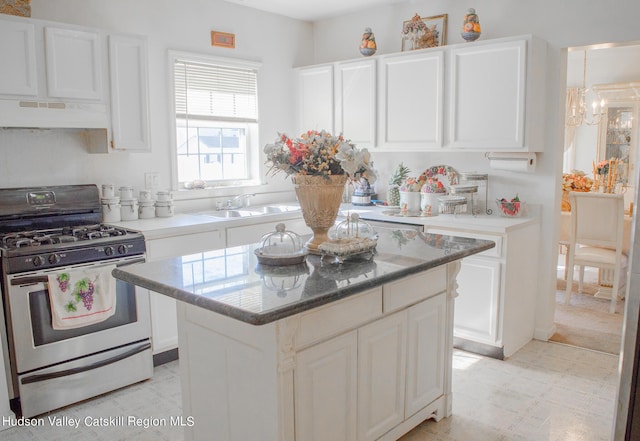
<point x="324" y="322"/>
<point x="410" y="290"/>
<point x="493" y="252"/>
<point x="186" y="244"/>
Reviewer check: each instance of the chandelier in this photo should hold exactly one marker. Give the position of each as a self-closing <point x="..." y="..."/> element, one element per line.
<point x="577" y="110"/>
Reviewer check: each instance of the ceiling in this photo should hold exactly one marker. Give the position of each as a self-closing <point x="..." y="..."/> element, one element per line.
<point x="312" y="10"/>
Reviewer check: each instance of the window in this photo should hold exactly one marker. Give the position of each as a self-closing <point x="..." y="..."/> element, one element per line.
<point x="216" y="117"/>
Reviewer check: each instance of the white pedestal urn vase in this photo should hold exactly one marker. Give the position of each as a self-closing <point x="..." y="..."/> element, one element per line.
<point x="319" y="199"/>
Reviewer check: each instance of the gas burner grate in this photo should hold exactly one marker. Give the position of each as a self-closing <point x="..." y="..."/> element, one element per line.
<point x="61" y="235"/>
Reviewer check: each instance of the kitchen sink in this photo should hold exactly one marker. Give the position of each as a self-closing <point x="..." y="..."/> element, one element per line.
<point x="270" y="209"/>
<point x="253" y="211"/>
<point x="231" y="213"/>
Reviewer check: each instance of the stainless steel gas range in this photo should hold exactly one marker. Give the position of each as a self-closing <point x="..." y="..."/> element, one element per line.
<point x="49" y="231"/>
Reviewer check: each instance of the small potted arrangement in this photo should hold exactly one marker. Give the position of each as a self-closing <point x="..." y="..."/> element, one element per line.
<point x="410" y="195"/>
<point x="429" y="194"/>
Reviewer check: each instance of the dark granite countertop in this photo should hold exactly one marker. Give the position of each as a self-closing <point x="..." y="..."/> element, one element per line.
<point x="232" y="282"/>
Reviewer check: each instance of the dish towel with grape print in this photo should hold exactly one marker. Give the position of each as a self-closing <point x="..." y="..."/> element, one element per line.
<point x="81" y="297"/>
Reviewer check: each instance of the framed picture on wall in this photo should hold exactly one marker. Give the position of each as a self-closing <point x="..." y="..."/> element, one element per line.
<point x="424" y="32"/>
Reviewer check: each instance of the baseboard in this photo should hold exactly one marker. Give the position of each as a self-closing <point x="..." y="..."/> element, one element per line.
<point x="478" y="348"/>
<point x="165" y="357"/>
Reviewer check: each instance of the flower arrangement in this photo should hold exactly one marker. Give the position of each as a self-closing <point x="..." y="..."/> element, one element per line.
<point x="319" y="154"/>
<point x="413" y="184"/>
<point x="433" y="185"/>
<point x="576" y="181"/>
<point x="603" y="167"/>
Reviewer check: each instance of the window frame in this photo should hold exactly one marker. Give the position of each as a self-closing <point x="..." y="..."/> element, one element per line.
<point x="253" y="149"/>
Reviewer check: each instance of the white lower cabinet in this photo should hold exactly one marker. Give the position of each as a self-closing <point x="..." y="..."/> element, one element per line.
<point x="164" y="325"/>
<point x="497" y="289"/>
<point x="326" y="390"/>
<point x="426" y="340"/>
<point x="477" y="312"/>
<point x="371" y="366"/>
<point x="382" y="348"/>
<point x="365" y="383"/>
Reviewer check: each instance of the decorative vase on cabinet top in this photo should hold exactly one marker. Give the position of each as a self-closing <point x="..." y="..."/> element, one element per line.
<point x="471" y="26"/>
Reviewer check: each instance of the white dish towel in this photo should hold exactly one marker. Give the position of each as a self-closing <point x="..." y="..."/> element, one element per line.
<point x="81" y="297"/>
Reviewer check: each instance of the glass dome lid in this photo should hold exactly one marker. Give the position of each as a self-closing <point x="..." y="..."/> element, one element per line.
<point x="353" y="227"/>
<point x="281" y="247"/>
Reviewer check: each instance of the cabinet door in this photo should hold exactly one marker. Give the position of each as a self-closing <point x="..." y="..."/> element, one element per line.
<point x="356" y="102"/>
<point x="325" y="390"/>
<point x="315" y="95"/>
<point x="74" y="64"/>
<point x="18" y="75"/>
<point x="128" y="68"/>
<point x="381" y="375"/>
<point x="426" y="353"/>
<point x="487" y="103"/>
<point x="164" y="322"/>
<point x="477" y="308"/>
<point x="411" y="101"/>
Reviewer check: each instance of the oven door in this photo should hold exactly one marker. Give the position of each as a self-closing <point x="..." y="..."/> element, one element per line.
<point x="36" y="344"/>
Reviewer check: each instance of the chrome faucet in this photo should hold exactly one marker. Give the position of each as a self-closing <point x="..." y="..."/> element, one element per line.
<point x="240" y="201"/>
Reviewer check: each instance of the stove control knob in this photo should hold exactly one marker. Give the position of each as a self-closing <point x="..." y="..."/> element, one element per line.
<point x="122" y="249"/>
<point x="54" y="258"/>
<point x="37" y="261"/>
<point x="109" y="251"/>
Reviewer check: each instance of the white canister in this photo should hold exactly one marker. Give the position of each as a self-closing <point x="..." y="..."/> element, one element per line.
<point x="108" y="191"/>
<point x="410" y="201"/>
<point x="429" y="203"/>
<point x="164" y="208"/>
<point x="163" y="196"/>
<point x="126" y="193"/>
<point x="111" y="209"/>
<point x="145" y="196"/>
<point x="129" y="209"/>
<point x="146" y="210"/>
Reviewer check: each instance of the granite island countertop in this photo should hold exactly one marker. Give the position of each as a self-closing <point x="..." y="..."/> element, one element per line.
<point x="231" y="282"/>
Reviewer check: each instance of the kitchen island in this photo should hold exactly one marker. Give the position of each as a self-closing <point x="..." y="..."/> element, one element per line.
<point x="359" y="351"/>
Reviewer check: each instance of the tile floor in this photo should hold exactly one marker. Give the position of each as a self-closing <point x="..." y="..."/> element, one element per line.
<point x="546" y="391"/>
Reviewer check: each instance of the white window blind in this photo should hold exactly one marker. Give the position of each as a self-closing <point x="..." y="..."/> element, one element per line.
<point x="215" y="92"/>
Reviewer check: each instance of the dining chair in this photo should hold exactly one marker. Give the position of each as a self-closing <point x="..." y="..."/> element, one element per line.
<point x="596" y="237"/>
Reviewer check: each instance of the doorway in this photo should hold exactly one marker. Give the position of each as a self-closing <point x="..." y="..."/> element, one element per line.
<point x="606" y="71"/>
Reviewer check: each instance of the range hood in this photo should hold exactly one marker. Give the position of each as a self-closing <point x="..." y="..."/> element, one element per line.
<point x="29" y="113"/>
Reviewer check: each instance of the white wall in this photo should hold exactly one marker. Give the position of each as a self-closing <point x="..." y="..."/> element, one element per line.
<point x="281" y="43"/>
<point x="275" y="41"/>
<point x="562" y="24"/>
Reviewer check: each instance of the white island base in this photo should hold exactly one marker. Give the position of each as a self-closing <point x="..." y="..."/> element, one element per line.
<point x="370" y="366"/>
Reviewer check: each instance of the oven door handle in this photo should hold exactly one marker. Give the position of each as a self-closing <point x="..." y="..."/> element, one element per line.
<point x="44" y="279"/>
<point x="29" y="280"/>
<point x="74" y="371"/>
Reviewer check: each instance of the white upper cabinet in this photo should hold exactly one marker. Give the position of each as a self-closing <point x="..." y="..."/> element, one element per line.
<point x="481" y="96"/>
<point x="356" y="101"/>
<point x="129" y="78"/>
<point x="411" y="93"/>
<point x="488" y="85"/>
<point x="497" y="95"/>
<point x="315" y="98"/>
<point x="18" y="75"/>
<point x="74" y="64"/>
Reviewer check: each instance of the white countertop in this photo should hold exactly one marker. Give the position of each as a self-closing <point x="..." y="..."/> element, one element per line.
<point x="483" y="223"/>
<point x="189" y="223"/>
